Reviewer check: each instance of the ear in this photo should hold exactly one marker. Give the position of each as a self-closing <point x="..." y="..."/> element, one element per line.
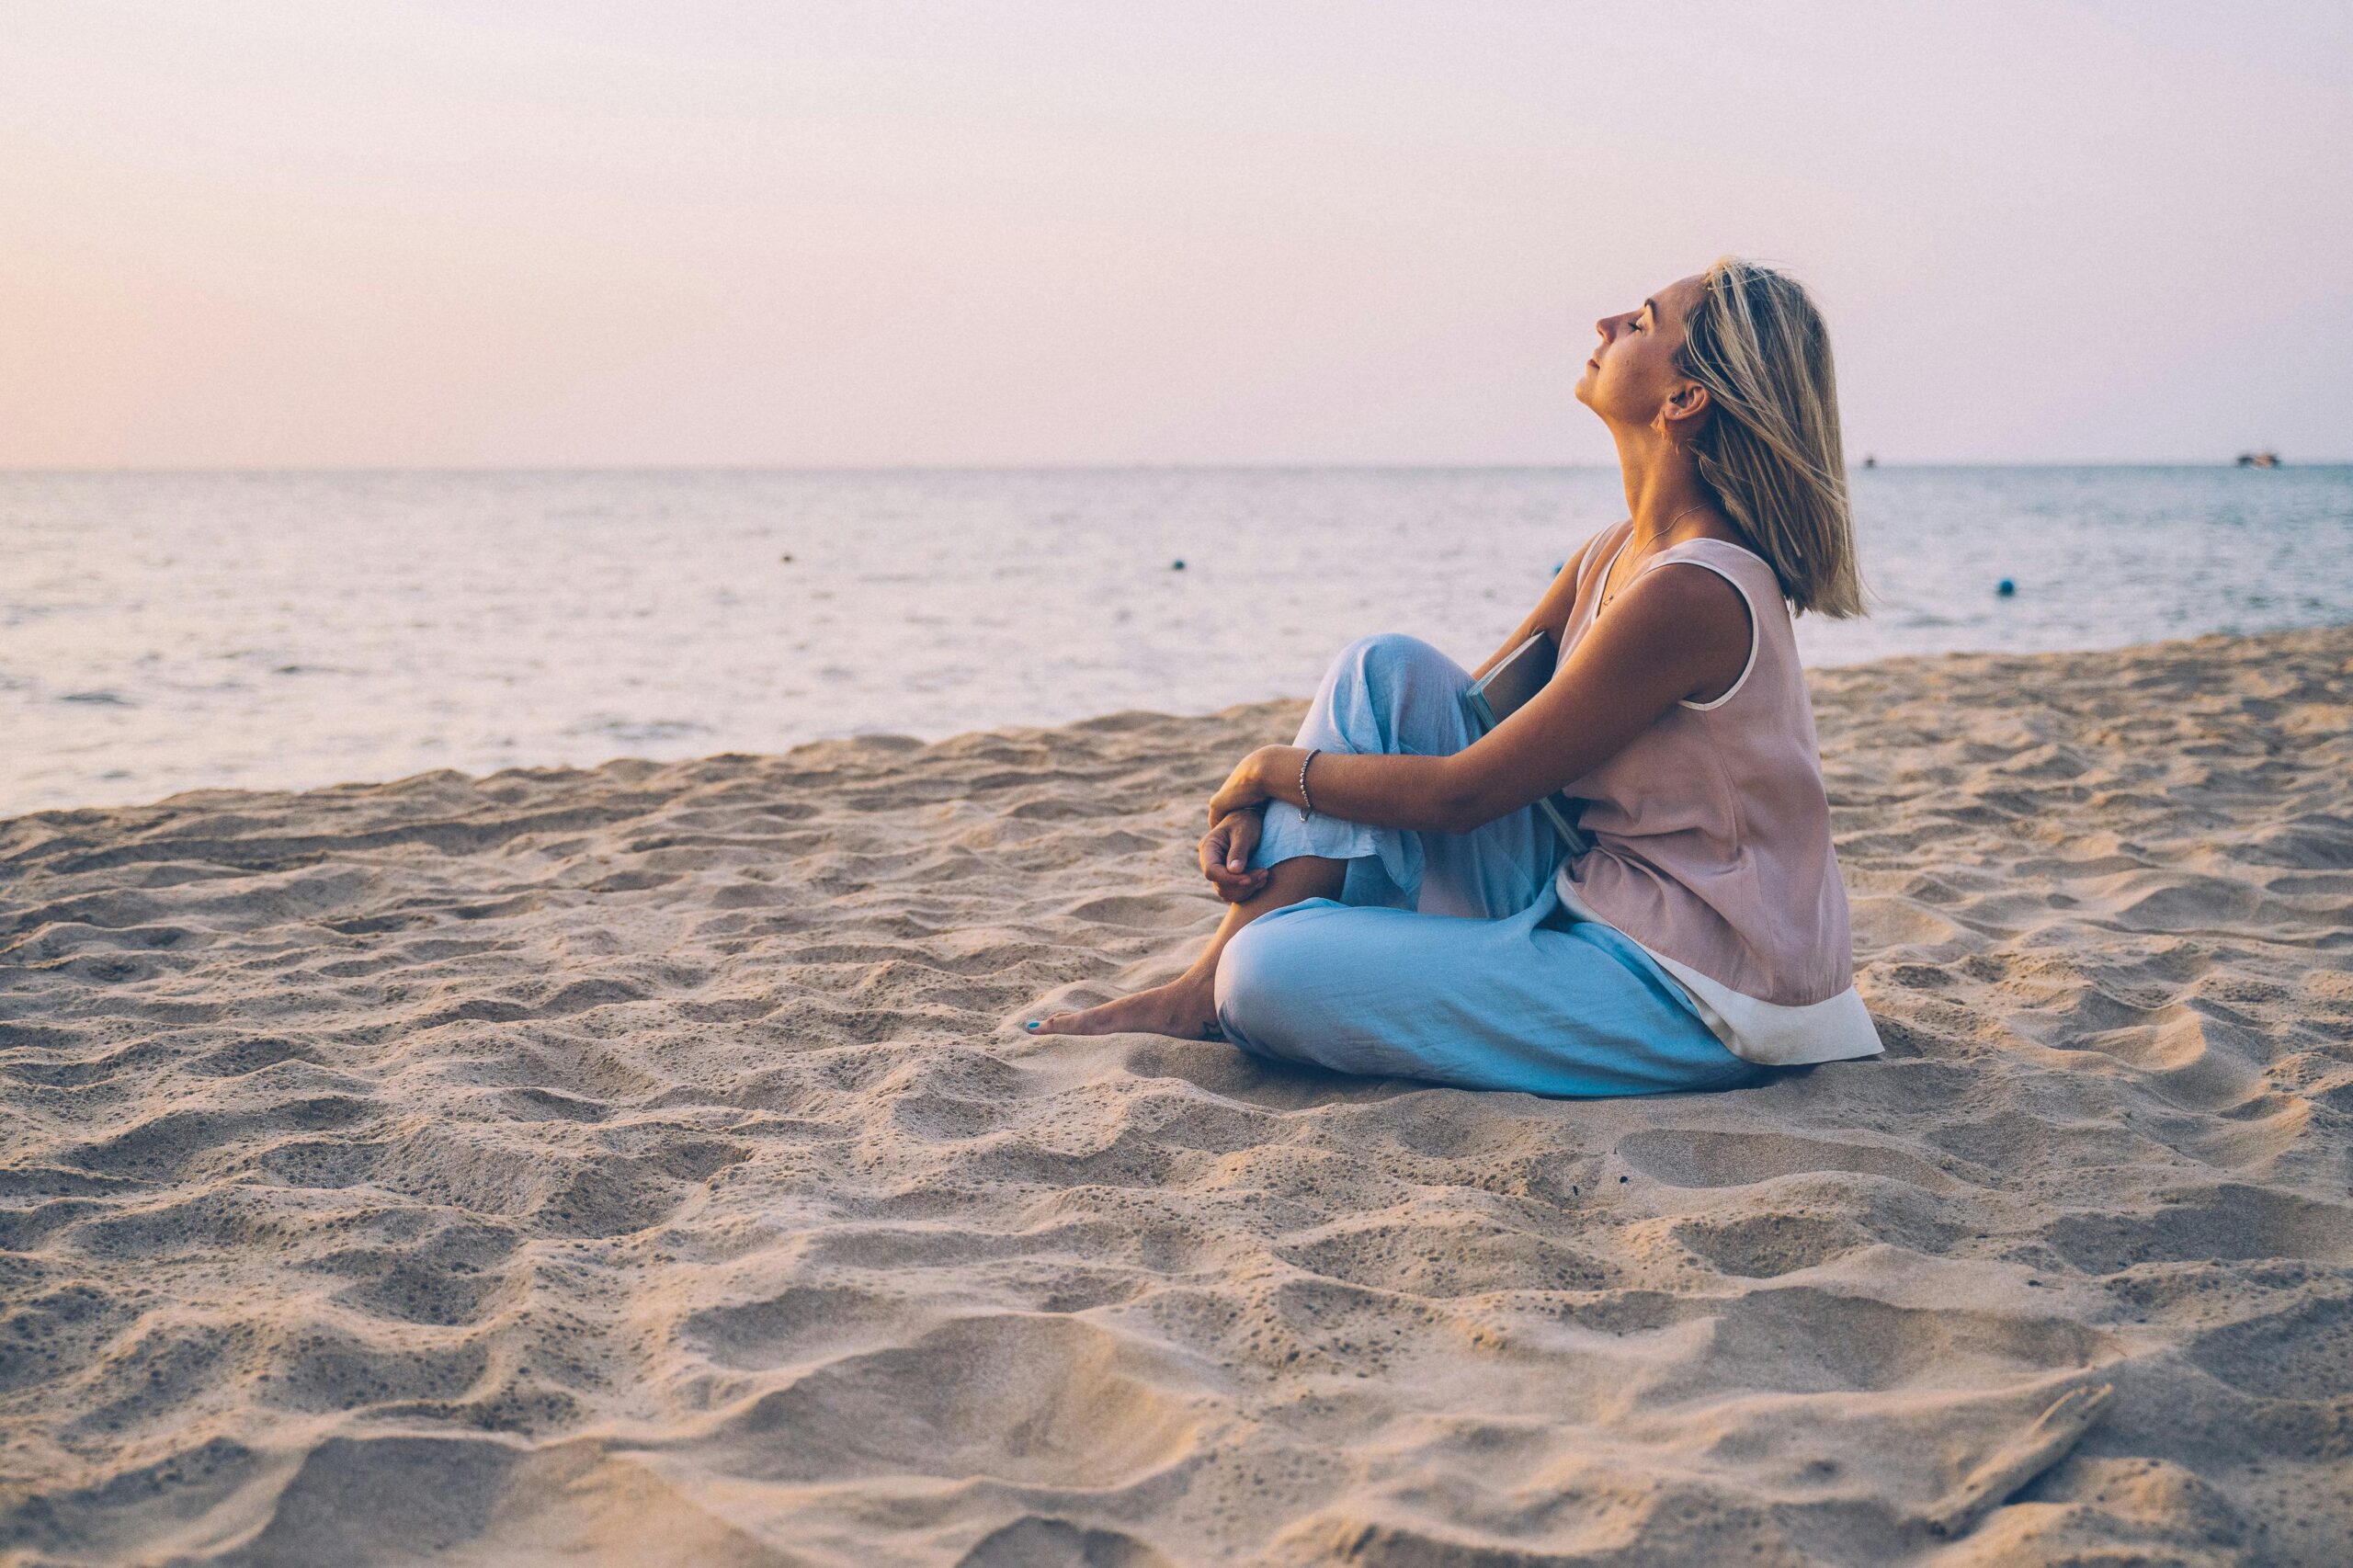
<point x="1685" y="408"/>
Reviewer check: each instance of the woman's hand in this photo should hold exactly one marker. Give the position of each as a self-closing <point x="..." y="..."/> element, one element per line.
<point x="1234" y="831"/>
<point x="1243" y="788"/>
<point x="1226" y="858"/>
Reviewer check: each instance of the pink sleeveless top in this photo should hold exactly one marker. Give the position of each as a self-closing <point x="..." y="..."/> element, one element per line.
<point x="1711" y="838"/>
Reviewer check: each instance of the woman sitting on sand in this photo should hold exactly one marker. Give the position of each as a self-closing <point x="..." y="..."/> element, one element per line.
<point x="1401" y="907"/>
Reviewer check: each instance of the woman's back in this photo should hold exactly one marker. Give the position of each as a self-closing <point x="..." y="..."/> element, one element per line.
<point x="1711" y="829"/>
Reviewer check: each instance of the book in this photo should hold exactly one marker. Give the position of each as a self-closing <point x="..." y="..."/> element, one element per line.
<point x="1497" y="695"/>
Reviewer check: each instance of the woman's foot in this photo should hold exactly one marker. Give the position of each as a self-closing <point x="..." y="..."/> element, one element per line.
<point x="1184" y="1007"/>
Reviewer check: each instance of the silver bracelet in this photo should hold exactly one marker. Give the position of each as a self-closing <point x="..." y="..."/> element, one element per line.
<point x="1308" y="800"/>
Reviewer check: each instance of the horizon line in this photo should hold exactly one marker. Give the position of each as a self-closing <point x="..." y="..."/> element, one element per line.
<point x="331" y="469"/>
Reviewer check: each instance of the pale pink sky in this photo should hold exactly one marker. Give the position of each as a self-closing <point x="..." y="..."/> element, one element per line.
<point x="378" y="233"/>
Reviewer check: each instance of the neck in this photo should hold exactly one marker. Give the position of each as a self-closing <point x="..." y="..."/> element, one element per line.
<point x="1662" y="484"/>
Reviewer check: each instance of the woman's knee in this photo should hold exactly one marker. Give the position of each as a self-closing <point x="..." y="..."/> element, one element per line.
<point x="1386" y="656"/>
<point x="1404" y="688"/>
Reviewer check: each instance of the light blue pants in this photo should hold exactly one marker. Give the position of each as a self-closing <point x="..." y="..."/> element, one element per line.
<point x="1448" y="956"/>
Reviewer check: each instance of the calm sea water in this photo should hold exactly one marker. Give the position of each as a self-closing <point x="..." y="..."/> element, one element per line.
<point x="161" y="632"/>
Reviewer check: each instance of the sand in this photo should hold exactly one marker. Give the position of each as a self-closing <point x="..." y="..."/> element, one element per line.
<point x="641" y="1165"/>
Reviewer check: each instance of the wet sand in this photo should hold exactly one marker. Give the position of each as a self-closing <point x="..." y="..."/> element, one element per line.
<point x="642" y="1165"/>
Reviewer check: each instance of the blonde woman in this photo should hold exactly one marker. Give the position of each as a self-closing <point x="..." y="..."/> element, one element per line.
<point x="1399" y="906"/>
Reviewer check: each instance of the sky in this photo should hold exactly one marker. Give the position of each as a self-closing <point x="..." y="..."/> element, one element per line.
<point x="1015" y="231"/>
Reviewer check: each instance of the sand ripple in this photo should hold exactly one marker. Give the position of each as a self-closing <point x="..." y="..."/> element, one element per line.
<point x="635" y="1166"/>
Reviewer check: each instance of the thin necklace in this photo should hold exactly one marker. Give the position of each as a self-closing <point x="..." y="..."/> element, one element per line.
<point x="1603" y="601"/>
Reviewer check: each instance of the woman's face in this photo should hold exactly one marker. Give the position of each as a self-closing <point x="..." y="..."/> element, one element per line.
<point x="1632" y="377"/>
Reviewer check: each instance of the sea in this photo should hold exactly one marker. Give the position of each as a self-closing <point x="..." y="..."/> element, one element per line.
<point x="162" y="632"/>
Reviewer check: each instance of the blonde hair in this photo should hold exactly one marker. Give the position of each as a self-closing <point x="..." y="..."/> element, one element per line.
<point x="1770" y="451"/>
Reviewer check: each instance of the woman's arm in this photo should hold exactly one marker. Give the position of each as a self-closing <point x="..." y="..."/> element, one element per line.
<point x="1551" y="612"/>
<point x="1668" y="635"/>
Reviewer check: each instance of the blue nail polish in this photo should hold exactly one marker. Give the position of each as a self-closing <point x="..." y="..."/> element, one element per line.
<point x="1031" y="1025"/>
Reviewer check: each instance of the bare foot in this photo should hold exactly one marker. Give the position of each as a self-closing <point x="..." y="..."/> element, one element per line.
<point x="1184" y="1007"/>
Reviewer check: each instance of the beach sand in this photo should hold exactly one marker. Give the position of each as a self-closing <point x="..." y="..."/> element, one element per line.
<point x="642" y="1165"/>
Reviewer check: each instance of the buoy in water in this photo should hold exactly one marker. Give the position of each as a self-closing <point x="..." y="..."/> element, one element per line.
<point x="2005" y="587"/>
